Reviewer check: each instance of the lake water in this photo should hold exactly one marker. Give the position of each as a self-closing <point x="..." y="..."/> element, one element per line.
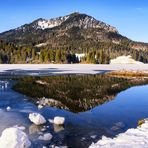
<point x="80" y="129"/>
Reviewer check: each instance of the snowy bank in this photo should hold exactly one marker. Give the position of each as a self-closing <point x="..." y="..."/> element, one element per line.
<point x="124" y="60"/>
<point x="132" y="138"/>
<point x="14" y="138"/>
<point x="37" y="118"/>
<point x="47" y="69"/>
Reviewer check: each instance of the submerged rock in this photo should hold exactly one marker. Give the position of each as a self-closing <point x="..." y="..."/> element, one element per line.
<point x="45" y="137"/>
<point x="93" y="136"/>
<point x="37" y="118"/>
<point x="14" y="138"/>
<point x="118" y="126"/>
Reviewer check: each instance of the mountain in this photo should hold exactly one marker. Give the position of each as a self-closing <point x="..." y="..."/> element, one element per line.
<point x="75" y="26"/>
<point x="74" y="33"/>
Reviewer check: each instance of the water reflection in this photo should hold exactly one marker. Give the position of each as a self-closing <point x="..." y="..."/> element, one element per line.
<point x="80" y="129"/>
<point x="34" y="129"/>
<point x="58" y="128"/>
<point x="76" y="93"/>
<point x="3" y="85"/>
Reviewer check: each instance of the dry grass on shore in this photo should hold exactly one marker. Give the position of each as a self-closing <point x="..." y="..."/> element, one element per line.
<point x="125" y="73"/>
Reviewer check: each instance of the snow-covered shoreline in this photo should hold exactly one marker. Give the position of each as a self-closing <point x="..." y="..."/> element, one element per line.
<point x="35" y="69"/>
<point x="132" y="138"/>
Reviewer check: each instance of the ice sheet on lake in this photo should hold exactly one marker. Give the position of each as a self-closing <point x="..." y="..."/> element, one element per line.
<point x="47" y="69"/>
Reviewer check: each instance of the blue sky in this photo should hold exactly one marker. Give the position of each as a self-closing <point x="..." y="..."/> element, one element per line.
<point x="130" y="17"/>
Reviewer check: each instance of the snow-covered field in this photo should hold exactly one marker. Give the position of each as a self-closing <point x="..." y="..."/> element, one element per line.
<point x="132" y="138"/>
<point x="35" y="69"/>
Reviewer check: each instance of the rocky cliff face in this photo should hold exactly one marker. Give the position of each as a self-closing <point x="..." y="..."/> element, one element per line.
<point x="82" y="21"/>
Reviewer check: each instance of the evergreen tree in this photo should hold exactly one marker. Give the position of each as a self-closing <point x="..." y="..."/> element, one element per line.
<point x="58" y="56"/>
<point x="101" y="57"/>
<point x="41" y="57"/>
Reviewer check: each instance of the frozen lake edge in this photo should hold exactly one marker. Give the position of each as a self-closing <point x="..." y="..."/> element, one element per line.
<point x="45" y="69"/>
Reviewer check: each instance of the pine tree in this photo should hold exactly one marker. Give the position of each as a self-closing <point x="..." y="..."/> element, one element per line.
<point x="41" y="57"/>
<point x="46" y="57"/>
<point x="58" y="56"/>
<point x="101" y="57"/>
<point x="33" y="54"/>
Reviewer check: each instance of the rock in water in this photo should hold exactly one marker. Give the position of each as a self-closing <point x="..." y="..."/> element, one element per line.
<point x="59" y="120"/>
<point x="14" y="138"/>
<point x="37" y="118"/>
<point x="46" y="137"/>
<point x="8" y="108"/>
<point x="40" y="106"/>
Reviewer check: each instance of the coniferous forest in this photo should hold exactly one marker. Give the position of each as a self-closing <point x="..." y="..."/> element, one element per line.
<point x="99" y="53"/>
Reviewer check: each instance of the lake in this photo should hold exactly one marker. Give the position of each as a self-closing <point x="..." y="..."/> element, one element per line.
<point x="80" y="129"/>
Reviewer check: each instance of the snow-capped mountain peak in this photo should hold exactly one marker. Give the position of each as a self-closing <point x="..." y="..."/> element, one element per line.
<point x="82" y="21"/>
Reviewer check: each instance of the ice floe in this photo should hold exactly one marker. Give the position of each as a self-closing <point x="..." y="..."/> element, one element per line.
<point x="57" y="120"/>
<point x="8" y="108"/>
<point x="14" y="138"/>
<point x="37" y="118"/>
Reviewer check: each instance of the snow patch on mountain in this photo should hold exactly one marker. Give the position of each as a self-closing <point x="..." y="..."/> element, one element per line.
<point x="44" y="24"/>
<point x="41" y="45"/>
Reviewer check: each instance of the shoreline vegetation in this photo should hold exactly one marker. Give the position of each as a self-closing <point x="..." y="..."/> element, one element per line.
<point x="128" y="73"/>
<point x="77" y="93"/>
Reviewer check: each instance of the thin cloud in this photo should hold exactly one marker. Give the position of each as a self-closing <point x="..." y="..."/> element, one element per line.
<point x="140" y="9"/>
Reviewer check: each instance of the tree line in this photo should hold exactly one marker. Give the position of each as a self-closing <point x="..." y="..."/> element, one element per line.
<point x="100" y="53"/>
